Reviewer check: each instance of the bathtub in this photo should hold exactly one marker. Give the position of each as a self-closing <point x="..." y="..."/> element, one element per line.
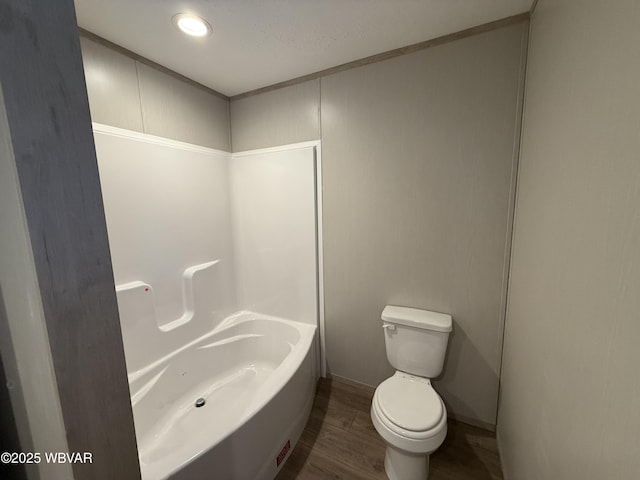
<point x="256" y="375"/>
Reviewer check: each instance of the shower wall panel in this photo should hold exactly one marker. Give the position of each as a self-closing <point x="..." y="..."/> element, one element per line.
<point x="168" y="211"/>
<point x="274" y="219"/>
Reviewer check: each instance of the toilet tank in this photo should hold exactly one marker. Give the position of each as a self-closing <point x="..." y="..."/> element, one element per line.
<point x="416" y="340"/>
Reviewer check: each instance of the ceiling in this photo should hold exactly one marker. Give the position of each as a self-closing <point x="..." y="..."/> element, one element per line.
<point x="256" y="43"/>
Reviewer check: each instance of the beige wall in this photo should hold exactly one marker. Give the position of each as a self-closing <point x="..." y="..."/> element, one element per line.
<point x="280" y="117"/>
<point x="418" y="162"/>
<point x="128" y="94"/>
<point x="569" y="404"/>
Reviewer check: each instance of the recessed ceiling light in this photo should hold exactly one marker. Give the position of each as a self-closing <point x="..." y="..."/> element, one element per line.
<point x="192" y="25"/>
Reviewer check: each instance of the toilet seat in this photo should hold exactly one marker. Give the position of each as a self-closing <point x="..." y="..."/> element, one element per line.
<point x="409" y="403"/>
<point x="401" y="392"/>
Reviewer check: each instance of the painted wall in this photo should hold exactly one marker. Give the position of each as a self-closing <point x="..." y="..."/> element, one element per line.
<point x="418" y="166"/>
<point x="569" y="405"/>
<point x="128" y="94"/>
<point x="280" y="117"/>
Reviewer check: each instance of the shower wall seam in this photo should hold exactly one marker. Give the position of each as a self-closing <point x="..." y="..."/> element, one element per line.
<point x="510" y="253"/>
<point x="144" y="128"/>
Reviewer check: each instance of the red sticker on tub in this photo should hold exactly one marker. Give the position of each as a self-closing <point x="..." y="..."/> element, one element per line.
<point x="283" y="453"/>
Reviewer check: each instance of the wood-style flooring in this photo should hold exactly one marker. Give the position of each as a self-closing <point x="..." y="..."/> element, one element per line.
<point x="340" y="443"/>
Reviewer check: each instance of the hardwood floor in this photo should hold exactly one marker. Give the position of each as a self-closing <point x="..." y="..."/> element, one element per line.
<point x="340" y="443"/>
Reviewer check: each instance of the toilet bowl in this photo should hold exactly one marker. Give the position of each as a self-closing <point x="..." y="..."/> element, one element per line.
<point x="411" y="418"/>
<point x="406" y="411"/>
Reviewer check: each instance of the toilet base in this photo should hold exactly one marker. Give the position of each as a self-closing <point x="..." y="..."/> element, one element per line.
<point x="400" y="465"/>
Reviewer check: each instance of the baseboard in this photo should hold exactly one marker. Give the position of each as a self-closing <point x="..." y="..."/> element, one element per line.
<point x="353" y="383"/>
<point x="473" y="422"/>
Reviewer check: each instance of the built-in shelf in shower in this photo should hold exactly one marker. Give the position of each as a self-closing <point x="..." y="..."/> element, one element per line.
<point x="142" y="294"/>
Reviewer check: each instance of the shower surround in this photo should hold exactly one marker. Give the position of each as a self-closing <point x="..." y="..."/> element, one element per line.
<point x="215" y="259"/>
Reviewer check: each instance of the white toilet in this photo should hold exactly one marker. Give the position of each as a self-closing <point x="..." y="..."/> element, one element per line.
<point x="406" y="411"/>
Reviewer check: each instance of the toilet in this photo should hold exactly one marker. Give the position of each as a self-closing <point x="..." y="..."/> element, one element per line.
<point x="406" y="411"/>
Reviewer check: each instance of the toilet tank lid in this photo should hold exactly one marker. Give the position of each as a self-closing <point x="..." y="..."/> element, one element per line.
<point x="413" y="317"/>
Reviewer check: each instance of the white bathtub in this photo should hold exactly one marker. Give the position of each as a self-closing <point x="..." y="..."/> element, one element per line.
<point x="257" y="375"/>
